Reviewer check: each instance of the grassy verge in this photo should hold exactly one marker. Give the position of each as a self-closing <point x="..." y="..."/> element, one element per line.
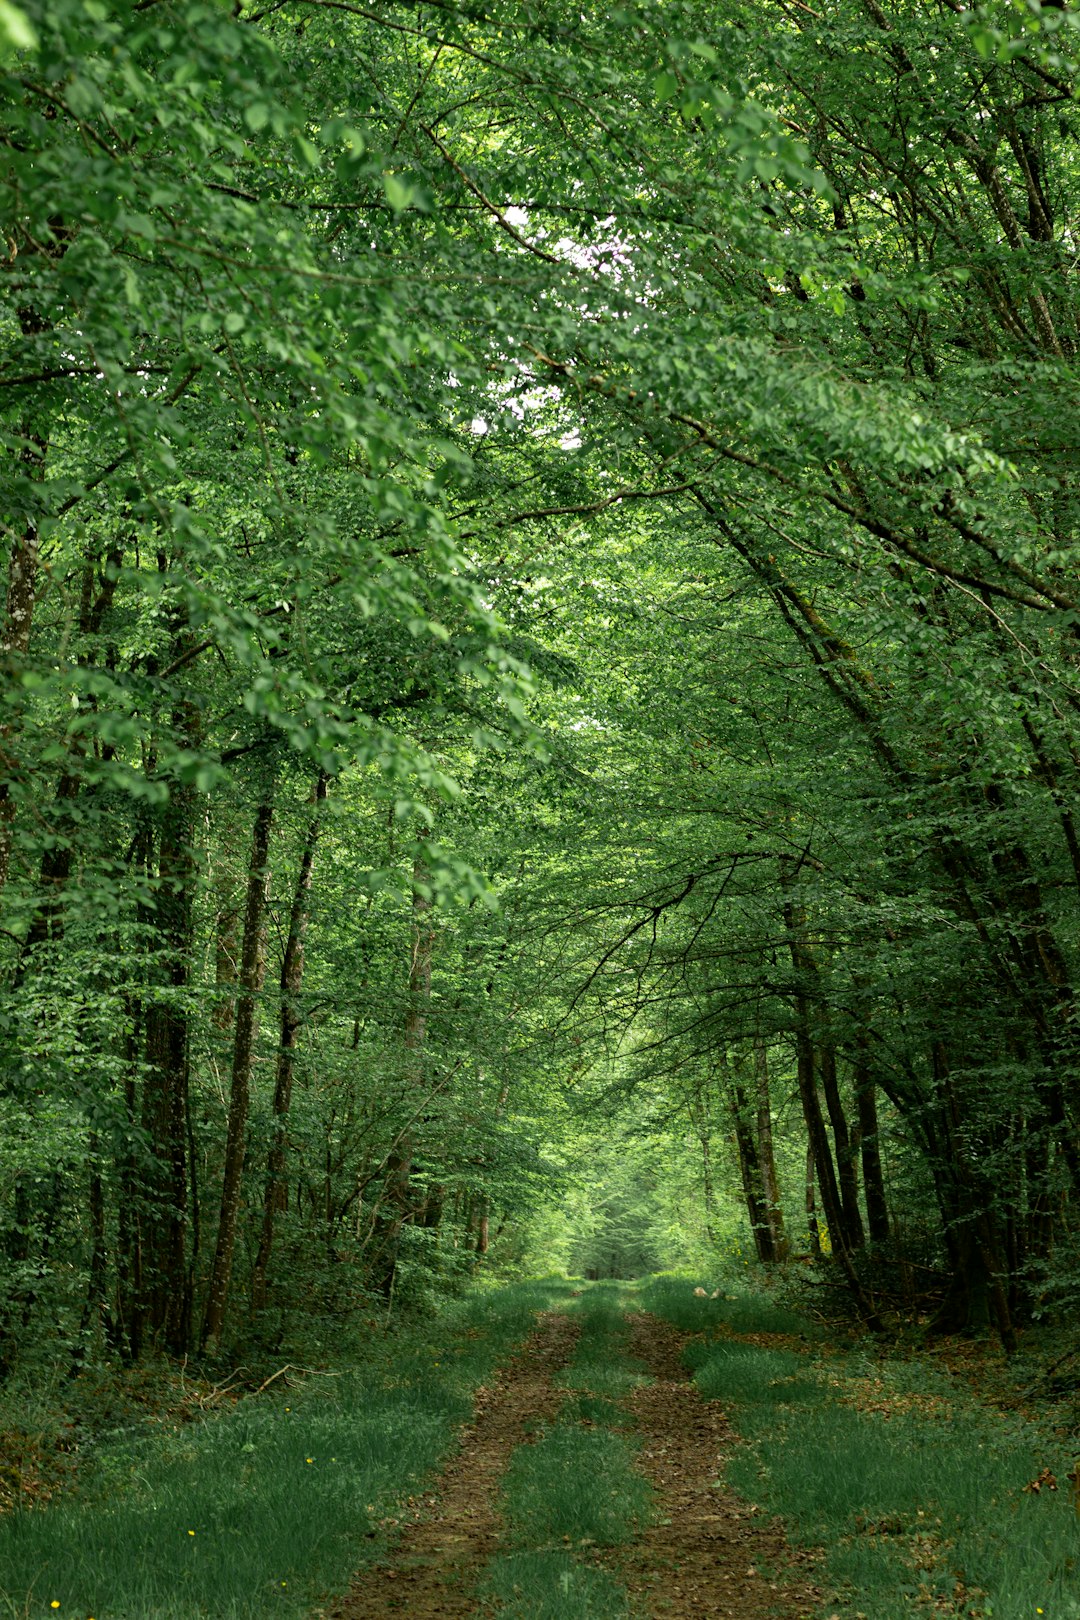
<point x="921" y="1496"/>
<point x="575" y="1488"/>
<point x="735" y="1306"/>
<point x="258" y="1511"/>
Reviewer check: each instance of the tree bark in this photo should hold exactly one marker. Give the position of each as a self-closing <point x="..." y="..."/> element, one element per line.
<point x="750" y="1170"/>
<point x="815" y="1126"/>
<point x="292" y="977"/>
<point x="813" y="1230"/>
<point x="980" y="1275"/>
<point x="483" y="1226"/>
<point x="163" y="1307"/>
<point x="698" y="1111"/>
<point x="397" y="1188"/>
<point x="817" y="1136"/>
<point x="127" y="1322"/>
<point x="847" y="1177"/>
<point x="252" y="965"/>
<point x="770" y="1185"/>
<point x="877" y="1208"/>
<point x="224" y="1015"/>
<point x="20" y="600"/>
<point x="95" y="1304"/>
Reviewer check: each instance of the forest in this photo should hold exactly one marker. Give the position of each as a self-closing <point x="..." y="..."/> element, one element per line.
<point x="539" y="674"/>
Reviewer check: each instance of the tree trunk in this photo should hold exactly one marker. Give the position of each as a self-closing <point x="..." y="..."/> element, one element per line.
<point x="980" y="1275"/>
<point x="64" y="824"/>
<point x="877" y="1208"/>
<point x="697" y="1109"/>
<point x="54" y="872"/>
<point x="813" y="1230"/>
<point x="224" y="1015"/>
<point x="163" y="1307"/>
<point x="95" y="1305"/>
<point x="770" y="1186"/>
<point x="397" y="1188"/>
<point x="483" y="1226"/>
<point x="129" y="1285"/>
<point x="21" y="596"/>
<point x="806" y="1071"/>
<point x="434" y="1206"/>
<point x="815" y="1128"/>
<point x="707" y="1186"/>
<point x="847" y="1176"/>
<point x="252" y="967"/>
<point x="750" y="1169"/>
<point x="292" y="978"/>
<point x="1037" y="1178"/>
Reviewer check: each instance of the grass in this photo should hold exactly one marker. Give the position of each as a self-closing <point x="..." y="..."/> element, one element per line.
<point x="741" y="1372"/>
<point x="595" y="1409"/>
<point x="575" y="1485"/>
<point x="737" y="1307"/>
<point x="553" y="1585"/>
<point x="575" y="1489"/>
<point x="602" y="1367"/>
<point x="258" y="1511"/>
<point x="914" y="1488"/>
<point x="911" y="1505"/>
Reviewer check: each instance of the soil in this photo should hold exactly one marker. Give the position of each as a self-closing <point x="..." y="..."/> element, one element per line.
<point x="709" y="1556"/>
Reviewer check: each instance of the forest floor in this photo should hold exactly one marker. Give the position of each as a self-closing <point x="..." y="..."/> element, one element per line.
<point x="554" y="1451"/>
<point x="702" y="1553"/>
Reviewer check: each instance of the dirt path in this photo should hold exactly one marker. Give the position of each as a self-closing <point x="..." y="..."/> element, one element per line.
<point x="439" y="1559"/>
<point x="709" y="1555"/>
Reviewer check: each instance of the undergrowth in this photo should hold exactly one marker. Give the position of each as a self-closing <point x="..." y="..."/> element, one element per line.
<point x="918" y="1511"/>
<point x="258" y="1510"/>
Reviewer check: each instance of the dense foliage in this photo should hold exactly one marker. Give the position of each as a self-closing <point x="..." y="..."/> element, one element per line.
<point x="541" y="574"/>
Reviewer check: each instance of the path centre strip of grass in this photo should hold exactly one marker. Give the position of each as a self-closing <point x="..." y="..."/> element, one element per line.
<point x="575" y="1488"/>
<point x="259" y="1511"/>
<point x="927" y="1502"/>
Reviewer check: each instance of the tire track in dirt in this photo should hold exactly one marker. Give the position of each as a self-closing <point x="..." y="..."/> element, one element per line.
<point x="432" y="1572"/>
<point x="709" y="1557"/>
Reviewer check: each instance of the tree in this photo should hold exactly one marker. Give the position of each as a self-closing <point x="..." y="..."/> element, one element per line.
<point x="635" y="444"/>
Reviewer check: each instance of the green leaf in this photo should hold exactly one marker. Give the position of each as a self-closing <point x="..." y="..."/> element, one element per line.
<point x="17" y="32"/>
<point x="399" y="194"/>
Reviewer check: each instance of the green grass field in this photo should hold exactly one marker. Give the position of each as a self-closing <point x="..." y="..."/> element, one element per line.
<point x="259" y="1510"/>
